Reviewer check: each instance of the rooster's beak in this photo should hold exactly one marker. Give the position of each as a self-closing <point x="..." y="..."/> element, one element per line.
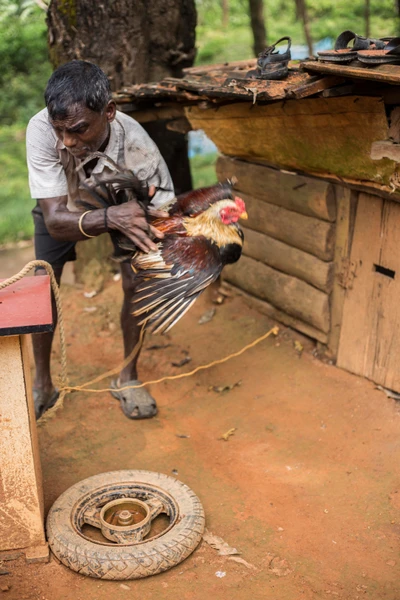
<point x="244" y="216"/>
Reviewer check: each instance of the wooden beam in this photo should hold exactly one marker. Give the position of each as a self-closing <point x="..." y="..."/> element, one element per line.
<point x="394" y="129"/>
<point x="305" y="233"/>
<point x="287" y="259"/>
<point x="339" y="90"/>
<point x="347" y="208"/>
<point x="278" y="315"/>
<point x="156" y="114"/>
<point x="316" y="86"/>
<point x="385" y="191"/>
<point x="289" y="294"/>
<point x="318" y="135"/>
<point x="304" y="195"/>
<point x="384" y="73"/>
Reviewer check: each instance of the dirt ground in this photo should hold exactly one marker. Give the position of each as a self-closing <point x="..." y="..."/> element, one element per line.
<point x="307" y="488"/>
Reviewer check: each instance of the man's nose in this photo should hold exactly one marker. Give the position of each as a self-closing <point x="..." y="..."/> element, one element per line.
<point x="68" y="139"/>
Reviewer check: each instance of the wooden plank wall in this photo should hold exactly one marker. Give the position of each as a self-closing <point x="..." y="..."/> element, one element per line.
<point x="369" y="338"/>
<point x="287" y="265"/>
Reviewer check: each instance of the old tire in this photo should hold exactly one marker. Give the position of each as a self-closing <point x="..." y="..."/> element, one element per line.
<point x="118" y="561"/>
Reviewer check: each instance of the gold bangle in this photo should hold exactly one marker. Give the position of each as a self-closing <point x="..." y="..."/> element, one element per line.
<point x="80" y="225"/>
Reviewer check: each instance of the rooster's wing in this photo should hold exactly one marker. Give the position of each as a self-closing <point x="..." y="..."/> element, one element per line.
<point x="171" y="279"/>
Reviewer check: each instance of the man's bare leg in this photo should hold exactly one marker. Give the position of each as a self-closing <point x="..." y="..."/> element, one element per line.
<point x="129" y="326"/>
<point x="42" y="343"/>
<point x="136" y="403"/>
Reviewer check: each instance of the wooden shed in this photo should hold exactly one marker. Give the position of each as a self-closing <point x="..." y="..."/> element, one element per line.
<point x="316" y="161"/>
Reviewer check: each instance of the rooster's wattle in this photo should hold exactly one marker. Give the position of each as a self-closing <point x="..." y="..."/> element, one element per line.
<point x="201" y="236"/>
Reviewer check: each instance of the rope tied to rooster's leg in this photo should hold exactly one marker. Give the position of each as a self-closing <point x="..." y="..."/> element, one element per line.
<point x="117" y="369"/>
<point x="65" y="388"/>
<point x="272" y="331"/>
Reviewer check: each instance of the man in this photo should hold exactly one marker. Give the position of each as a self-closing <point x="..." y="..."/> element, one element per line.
<point x="80" y="118"/>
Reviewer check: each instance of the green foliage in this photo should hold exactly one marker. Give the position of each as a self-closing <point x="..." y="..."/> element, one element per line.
<point x="327" y="19"/>
<point x="15" y="202"/>
<point x="25" y="67"/>
<point x="202" y="167"/>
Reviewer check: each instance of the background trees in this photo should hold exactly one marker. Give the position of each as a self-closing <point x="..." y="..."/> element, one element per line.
<point x="133" y="42"/>
<point x="223" y="33"/>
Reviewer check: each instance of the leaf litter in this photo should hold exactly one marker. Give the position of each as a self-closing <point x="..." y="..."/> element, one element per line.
<point x="224" y="549"/>
<point x="219" y="389"/>
<point x="207" y="316"/>
<point x="216" y="542"/>
<point x="227" y="435"/>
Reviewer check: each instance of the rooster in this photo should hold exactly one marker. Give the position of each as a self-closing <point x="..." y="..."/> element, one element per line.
<point x="201" y="236"/>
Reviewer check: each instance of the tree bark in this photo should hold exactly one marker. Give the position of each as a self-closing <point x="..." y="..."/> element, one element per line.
<point x="301" y="9"/>
<point x="225" y="13"/>
<point x="367" y="14"/>
<point x="397" y="9"/>
<point x="257" y="21"/>
<point x="133" y="42"/>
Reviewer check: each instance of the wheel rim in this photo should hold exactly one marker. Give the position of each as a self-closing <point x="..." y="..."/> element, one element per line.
<point x="99" y="508"/>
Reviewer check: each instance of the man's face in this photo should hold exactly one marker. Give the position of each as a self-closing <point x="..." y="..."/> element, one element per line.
<point x="84" y="131"/>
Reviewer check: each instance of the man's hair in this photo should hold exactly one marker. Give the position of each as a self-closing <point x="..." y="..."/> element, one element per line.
<point x="76" y="82"/>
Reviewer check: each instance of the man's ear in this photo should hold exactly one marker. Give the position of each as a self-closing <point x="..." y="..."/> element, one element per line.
<point x="111" y="110"/>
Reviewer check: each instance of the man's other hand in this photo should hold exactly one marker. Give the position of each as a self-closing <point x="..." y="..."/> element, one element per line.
<point x="130" y="219"/>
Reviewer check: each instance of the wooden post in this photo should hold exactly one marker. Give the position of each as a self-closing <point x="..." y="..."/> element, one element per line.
<point x="25" y="308"/>
<point x="346" y="214"/>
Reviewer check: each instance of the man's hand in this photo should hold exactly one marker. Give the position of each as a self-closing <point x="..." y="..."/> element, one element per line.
<point x="130" y="219"/>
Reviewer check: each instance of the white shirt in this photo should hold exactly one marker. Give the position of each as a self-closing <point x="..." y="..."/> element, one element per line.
<point x="52" y="169"/>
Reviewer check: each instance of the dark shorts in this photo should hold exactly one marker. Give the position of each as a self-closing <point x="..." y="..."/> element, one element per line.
<point x="58" y="253"/>
<point x="47" y="248"/>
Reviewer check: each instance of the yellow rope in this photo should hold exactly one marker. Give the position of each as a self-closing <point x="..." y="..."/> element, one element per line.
<point x="65" y="388"/>
<point x="273" y="331"/>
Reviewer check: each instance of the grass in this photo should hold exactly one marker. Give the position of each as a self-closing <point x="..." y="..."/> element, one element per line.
<point x="202" y="168"/>
<point x="15" y="202"/>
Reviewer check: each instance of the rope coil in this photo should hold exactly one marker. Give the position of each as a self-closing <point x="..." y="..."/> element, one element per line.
<point x="66" y="388"/>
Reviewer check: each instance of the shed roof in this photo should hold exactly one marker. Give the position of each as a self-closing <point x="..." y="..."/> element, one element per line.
<point x="227" y="82"/>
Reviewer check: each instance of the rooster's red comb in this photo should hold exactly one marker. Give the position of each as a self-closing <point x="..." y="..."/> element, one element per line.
<point x="240" y="204"/>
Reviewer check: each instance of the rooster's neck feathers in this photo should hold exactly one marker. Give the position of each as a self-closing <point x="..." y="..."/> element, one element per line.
<point x="209" y="225"/>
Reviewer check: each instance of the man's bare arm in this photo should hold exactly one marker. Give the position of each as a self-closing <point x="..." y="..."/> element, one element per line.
<point x="128" y="218"/>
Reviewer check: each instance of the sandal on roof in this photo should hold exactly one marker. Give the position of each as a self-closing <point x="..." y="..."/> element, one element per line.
<point x="342" y="52"/>
<point x="389" y="54"/>
<point x="272" y="64"/>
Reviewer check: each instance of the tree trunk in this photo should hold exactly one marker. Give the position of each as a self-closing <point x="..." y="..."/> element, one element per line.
<point x="257" y="21"/>
<point x="301" y="9"/>
<point x="367" y="13"/>
<point x="397" y="9"/>
<point x="225" y="13"/>
<point x="133" y="42"/>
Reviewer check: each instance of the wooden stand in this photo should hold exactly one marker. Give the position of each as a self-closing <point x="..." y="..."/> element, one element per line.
<point x="25" y="307"/>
